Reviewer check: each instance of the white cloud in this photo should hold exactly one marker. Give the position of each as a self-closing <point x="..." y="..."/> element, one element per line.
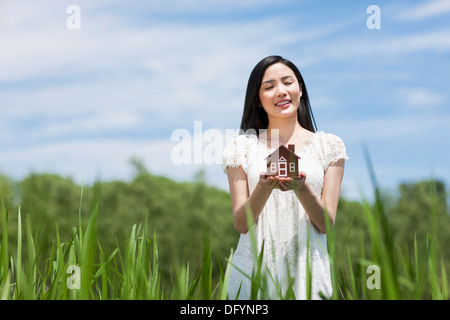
<point x="421" y="98"/>
<point x="425" y="10"/>
<point x="117" y="75"/>
<point x="394" y="129"/>
<point x="44" y="47"/>
<point x="90" y="159"/>
<point x="362" y="49"/>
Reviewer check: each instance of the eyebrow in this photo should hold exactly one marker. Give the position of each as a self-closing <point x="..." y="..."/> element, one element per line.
<point x="284" y="78"/>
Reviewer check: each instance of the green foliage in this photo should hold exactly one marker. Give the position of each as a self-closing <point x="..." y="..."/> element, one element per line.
<point x="404" y="236"/>
<point x="180" y="214"/>
<point x="153" y="238"/>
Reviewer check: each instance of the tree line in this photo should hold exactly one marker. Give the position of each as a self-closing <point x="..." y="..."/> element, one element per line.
<point x="185" y="216"/>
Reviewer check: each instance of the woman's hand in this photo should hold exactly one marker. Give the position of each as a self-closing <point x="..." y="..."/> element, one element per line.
<point x="288" y="183"/>
<point x="283" y="183"/>
<point x="269" y="181"/>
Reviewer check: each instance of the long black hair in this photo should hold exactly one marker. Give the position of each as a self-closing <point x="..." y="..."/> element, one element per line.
<point x="255" y="117"/>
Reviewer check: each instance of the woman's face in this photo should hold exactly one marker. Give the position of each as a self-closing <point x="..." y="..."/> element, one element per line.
<point x="280" y="91"/>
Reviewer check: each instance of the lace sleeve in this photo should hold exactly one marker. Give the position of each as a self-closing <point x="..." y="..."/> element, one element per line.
<point x="236" y="153"/>
<point x="335" y="152"/>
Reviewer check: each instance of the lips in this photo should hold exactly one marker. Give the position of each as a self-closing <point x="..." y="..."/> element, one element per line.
<point x="283" y="103"/>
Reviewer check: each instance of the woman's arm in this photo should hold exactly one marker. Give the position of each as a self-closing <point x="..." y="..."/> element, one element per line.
<point x="314" y="207"/>
<point x="240" y="199"/>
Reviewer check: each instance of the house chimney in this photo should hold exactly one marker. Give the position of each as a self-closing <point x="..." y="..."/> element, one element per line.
<point x="291" y="147"/>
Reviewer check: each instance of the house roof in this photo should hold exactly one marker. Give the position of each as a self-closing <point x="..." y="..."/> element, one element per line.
<point x="282" y="149"/>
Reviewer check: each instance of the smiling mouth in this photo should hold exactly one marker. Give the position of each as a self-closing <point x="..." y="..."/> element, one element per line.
<point x="283" y="103"/>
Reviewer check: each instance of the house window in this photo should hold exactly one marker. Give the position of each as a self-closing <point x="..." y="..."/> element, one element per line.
<point x="291" y="167"/>
<point x="283" y="169"/>
<point x="273" y="167"/>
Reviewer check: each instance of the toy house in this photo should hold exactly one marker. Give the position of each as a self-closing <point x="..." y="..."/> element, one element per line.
<point x="283" y="162"/>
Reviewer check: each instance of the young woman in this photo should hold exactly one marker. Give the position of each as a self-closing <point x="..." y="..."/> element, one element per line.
<point x="287" y="213"/>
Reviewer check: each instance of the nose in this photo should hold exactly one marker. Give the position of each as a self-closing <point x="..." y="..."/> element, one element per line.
<point x="281" y="91"/>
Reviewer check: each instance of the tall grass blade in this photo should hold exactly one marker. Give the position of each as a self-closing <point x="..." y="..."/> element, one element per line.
<point x="352" y="278"/>
<point x="444" y="281"/>
<point x="381" y="239"/>
<point x="4" y="247"/>
<point x="19" y="271"/>
<point x="88" y="242"/>
<point x="308" y="268"/>
<point x="331" y="248"/>
<point x="223" y="293"/>
<point x="5" y="287"/>
<point x="206" y="271"/>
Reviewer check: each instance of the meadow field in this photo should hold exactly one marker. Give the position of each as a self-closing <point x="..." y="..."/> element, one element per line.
<point x="156" y="239"/>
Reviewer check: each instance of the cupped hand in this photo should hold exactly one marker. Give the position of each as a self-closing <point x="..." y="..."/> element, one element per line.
<point x="288" y="183"/>
<point x="270" y="181"/>
<point x="283" y="183"/>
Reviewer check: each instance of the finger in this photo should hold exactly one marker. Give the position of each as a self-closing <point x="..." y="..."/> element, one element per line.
<point x="283" y="186"/>
<point x="286" y="185"/>
<point x="273" y="183"/>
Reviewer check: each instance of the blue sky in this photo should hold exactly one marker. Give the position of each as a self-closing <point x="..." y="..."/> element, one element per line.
<point x="83" y="102"/>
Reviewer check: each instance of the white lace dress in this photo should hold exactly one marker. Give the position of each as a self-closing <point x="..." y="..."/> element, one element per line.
<point x="283" y="224"/>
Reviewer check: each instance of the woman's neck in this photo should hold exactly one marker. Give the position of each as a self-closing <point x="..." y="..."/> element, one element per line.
<point x="287" y="128"/>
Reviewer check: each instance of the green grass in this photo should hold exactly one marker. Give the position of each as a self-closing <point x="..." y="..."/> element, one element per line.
<point x="80" y="268"/>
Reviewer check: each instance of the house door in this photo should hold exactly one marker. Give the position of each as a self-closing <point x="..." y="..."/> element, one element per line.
<point x="282" y="169"/>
